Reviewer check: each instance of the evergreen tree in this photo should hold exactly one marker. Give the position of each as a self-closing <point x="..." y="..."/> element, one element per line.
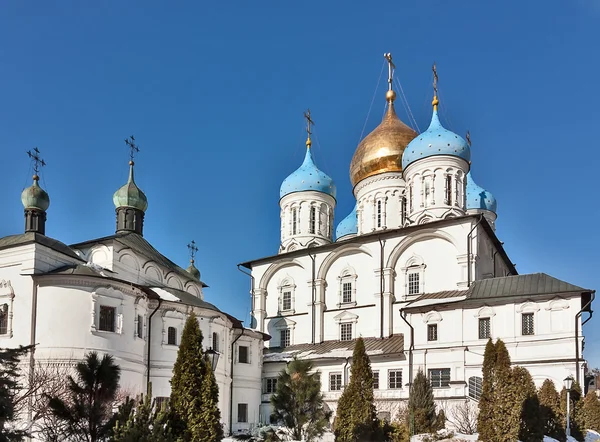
<point x="193" y="412"/>
<point x="87" y="414"/>
<point x="550" y="414"/>
<point x="526" y="407"/>
<point x="591" y="412"/>
<point x="421" y="405"/>
<point x="485" y="419"/>
<point x="440" y="421"/>
<point x="575" y="410"/>
<point x="9" y="388"/>
<point x="505" y="419"/>
<point x="356" y="417"/>
<point x="298" y="401"/>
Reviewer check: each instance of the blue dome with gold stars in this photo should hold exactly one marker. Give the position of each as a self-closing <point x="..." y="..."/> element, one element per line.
<point x="478" y="197"/>
<point x="436" y="140"/>
<point x="347" y="226"/>
<point x="307" y="177"/>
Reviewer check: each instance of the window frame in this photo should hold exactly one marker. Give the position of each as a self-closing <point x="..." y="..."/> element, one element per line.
<point x="287" y="286"/>
<point x="246" y="352"/>
<point x="312" y="221"/>
<point x="414" y="275"/>
<point x="285" y="341"/>
<point x="525" y="323"/>
<point x="448" y="190"/>
<point x="375" y="379"/>
<point x="101" y="323"/>
<point x="347" y="290"/>
<point x="336" y="384"/>
<point x="215" y="341"/>
<point x="242" y="417"/>
<point x="379" y="215"/>
<point x="172" y="333"/>
<point x="347" y="276"/>
<point x="286" y="300"/>
<point x="269" y="385"/>
<point x="139" y="332"/>
<point x="481" y="321"/>
<point x="396" y="374"/>
<point x="4" y="319"/>
<point x="432" y="332"/>
<point x="445" y="377"/>
<point x="475" y="386"/>
<point x="294" y="225"/>
<point x="346" y="331"/>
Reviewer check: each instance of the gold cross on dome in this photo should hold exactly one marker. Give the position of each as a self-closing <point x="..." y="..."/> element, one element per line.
<point x="133" y="148"/>
<point x="37" y="160"/>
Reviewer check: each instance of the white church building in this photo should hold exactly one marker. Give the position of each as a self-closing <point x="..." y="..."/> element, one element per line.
<point x="119" y="295"/>
<point x="416" y="269"/>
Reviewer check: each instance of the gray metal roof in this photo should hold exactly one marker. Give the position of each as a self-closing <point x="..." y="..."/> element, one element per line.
<point x="37" y="238"/>
<point x="521" y="286"/>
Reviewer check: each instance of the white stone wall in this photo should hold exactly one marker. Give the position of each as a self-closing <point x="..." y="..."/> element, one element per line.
<point x="380" y="204"/>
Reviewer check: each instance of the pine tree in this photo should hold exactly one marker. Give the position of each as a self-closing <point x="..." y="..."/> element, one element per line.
<point x="550" y="414"/>
<point x="356" y="418"/>
<point x="526" y="407"/>
<point x="504" y="397"/>
<point x="421" y="405"/>
<point x="485" y="419"/>
<point x="298" y="401"/>
<point x="193" y="411"/>
<point x="88" y="412"/>
<point x="9" y="388"/>
<point x="591" y="412"/>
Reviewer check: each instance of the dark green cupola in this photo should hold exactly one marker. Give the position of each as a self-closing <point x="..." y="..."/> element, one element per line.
<point x="131" y="204"/>
<point x="35" y="201"/>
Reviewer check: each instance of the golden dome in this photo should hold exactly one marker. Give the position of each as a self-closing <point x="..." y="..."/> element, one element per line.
<point x="381" y="150"/>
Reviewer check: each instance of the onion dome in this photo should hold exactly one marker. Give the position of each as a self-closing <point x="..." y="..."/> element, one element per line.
<point x="34" y="197"/>
<point x="193" y="271"/>
<point x="130" y="195"/>
<point x="348" y="226"/>
<point x="381" y="151"/>
<point x="307" y="177"/>
<point x="436" y="140"/>
<point x="478" y="197"/>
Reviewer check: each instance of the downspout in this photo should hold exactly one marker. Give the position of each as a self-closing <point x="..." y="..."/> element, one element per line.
<point x="346" y="371"/>
<point x="313" y="289"/>
<point x="469" y="240"/>
<point x="577" y="317"/>
<point x="494" y="261"/>
<point x="381" y="287"/>
<point x="251" y="290"/>
<point x="410" y="363"/>
<point x="150" y="345"/>
<point x="231" y="384"/>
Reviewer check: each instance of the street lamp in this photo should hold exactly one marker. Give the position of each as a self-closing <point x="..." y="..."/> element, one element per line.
<point x="568" y="385"/>
<point x="212" y="357"/>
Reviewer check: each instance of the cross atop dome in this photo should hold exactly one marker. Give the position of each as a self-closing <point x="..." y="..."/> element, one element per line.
<point x="309" y="122"/>
<point x="435" y="101"/>
<point x="133" y="148"/>
<point x="37" y="160"/>
<point x="390" y="96"/>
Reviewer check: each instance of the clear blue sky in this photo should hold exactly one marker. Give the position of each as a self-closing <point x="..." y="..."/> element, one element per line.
<point x="214" y="93"/>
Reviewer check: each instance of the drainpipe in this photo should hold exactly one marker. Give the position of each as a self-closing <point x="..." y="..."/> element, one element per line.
<point x="381" y="287"/>
<point x="251" y="289"/>
<point x="469" y="240"/>
<point x="577" y="317"/>
<point x="346" y="371"/>
<point x="313" y="289"/>
<point x="231" y="384"/>
<point x="410" y="362"/>
<point x="150" y="345"/>
<point x="494" y="261"/>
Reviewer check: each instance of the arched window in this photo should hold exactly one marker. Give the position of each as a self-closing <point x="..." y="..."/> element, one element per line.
<point x="428" y="190"/>
<point x="215" y="341"/>
<point x="475" y="387"/>
<point x="347" y="291"/>
<point x="410" y="196"/>
<point x="286" y="296"/>
<point x="414" y="272"/>
<point x="448" y="198"/>
<point x="313" y="221"/>
<point x="379" y="213"/>
<point x="294" y="221"/>
<point x="172" y="336"/>
<point x="403" y="207"/>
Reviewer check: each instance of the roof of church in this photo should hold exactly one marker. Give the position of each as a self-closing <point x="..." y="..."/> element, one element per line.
<point x="137" y="243"/>
<point x="335" y="349"/>
<point x="37" y="238"/>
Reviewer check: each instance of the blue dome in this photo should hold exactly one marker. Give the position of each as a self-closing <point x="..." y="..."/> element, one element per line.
<point x="478" y="197"/>
<point x="307" y="177"/>
<point x="436" y="140"/>
<point x="347" y="226"/>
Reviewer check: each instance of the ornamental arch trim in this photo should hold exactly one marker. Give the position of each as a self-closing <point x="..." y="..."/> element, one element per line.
<point x="339" y="253"/>
<point x="409" y="241"/>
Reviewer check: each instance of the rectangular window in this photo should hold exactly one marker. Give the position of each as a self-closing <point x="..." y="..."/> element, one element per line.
<point x="347" y="292"/>
<point x="269" y="385"/>
<point x="335" y="381"/>
<point x="286" y="301"/>
<point x="294" y="221"/>
<point x="4" y="319"/>
<point x="284" y="337"/>
<point x="413" y="284"/>
<point x="403" y="204"/>
<point x="140" y="326"/>
<point x="485" y="331"/>
<point x="527" y="324"/>
<point x="161" y="402"/>
<point x="107" y="318"/>
<point x="313" y="220"/>
<point x="375" y="380"/>
<point x="448" y="190"/>
<point x="379" y="213"/>
<point x="345" y="332"/>
<point x="410" y="196"/>
<point x="427" y="191"/>
<point x="243" y="354"/>
<point x="172" y="336"/>
<point x="432" y="332"/>
<point x="457" y="194"/>
<point x="394" y="379"/>
<point x="439" y="377"/>
<point x="215" y="341"/>
<point x="242" y="413"/>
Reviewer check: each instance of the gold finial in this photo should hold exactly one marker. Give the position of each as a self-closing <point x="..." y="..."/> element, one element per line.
<point x="390" y="95"/>
<point x="435" y="101"/>
<point x="309" y="122"/>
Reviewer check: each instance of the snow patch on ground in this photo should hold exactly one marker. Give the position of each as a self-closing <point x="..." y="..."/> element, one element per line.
<point x="592" y="436"/>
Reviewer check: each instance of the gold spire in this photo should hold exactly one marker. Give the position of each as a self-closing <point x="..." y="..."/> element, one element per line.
<point x="390" y="95"/>
<point x="435" y="101"/>
<point x="309" y="122"/>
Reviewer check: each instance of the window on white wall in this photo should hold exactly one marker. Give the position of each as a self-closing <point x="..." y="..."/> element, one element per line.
<point x="215" y="341"/>
<point x="347" y="288"/>
<point x="171" y="336"/>
<point x="527" y="326"/>
<point x="335" y="381"/>
<point x="428" y="191"/>
<point x="286" y="290"/>
<point x="475" y="387"/>
<point x="346" y="292"/>
<point x="375" y="380"/>
<point x="140" y="327"/>
<point x="313" y="220"/>
<point x="485" y="329"/>
<point x="448" y="191"/>
<point x="3" y="319"/>
<point x="379" y="213"/>
<point x="294" y="225"/>
<point x="414" y="271"/>
<point x="107" y="318"/>
<point x="285" y="337"/>
<point x="394" y="379"/>
<point x="414" y="284"/>
<point x="410" y="196"/>
<point x="286" y="302"/>
<point x="346" y="331"/>
<point x="432" y="332"/>
<point x="243" y="354"/>
<point x="269" y="385"/>
<point x="439" y="377"/>
<point x="242" y="413"/>
<point x="403" y="208"/>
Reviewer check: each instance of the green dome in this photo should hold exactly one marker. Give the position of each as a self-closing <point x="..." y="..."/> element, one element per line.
<point x="34" y="197"/>
<point x="130" y="195"/>
<point x="193" y="271"/>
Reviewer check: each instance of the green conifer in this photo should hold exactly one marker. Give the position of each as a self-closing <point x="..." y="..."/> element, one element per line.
<point x="591" y="412"/>
<point x="10" y="359"/>
<point x="485" y="418"/>
<point x="421" y="405"/>
<point x="550" y="414"/>
<point x="356" y="418"/>
<point x="526" y="408"/>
